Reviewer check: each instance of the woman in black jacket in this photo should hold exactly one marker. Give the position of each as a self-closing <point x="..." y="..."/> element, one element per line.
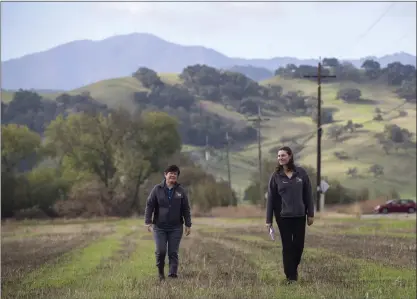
<point x="290" y="199"/>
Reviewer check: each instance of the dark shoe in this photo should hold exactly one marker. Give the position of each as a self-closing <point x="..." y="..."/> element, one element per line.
<point x="161" y="274"/>
<point x="173" y="276"/>
<point x="291" y="281"/>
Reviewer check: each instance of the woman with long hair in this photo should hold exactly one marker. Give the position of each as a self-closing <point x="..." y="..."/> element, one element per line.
<point x="290" y="199"/>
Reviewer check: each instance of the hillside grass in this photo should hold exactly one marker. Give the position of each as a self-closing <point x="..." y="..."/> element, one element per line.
<point x="362" y="146"/>
<point x="6" y="96"/>
<point x="225" y="258"/>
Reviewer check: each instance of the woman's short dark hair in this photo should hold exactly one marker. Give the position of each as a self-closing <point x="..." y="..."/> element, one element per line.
<point x="172" y="168"/>
<point x="290" y="165"/>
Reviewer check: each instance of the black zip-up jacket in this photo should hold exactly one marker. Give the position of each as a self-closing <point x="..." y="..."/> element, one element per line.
<point x="289" y="197"/>
<point x="167" y="213"/>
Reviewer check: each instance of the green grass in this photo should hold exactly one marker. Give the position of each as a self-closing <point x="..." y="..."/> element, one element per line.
<point x="114" y="92"/>
<point x="170" y="78"/>
<point x="234" y="260"/>
<point x="6" y="96"/>
<point x="79" y="264"/>
<point x="70" y="267"/>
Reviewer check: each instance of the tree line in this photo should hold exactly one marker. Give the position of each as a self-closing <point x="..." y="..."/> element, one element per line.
<point x="95" y="163"/>
<point x="400" y="76"/>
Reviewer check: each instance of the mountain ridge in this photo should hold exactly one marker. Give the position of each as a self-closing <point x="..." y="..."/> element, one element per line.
<point x="78" y="63"/>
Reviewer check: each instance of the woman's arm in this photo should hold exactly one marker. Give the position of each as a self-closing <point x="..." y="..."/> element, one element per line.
<point x="273" y="197"/>
<point x="308" y="196"/>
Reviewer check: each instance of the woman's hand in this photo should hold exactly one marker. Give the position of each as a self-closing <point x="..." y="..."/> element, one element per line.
<point x="149" y="227"/>
<point x="310" y="221"/>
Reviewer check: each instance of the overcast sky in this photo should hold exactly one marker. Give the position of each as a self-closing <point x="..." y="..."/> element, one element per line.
<point x="247" y="30"/>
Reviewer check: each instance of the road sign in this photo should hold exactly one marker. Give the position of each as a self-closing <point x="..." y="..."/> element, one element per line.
<point x="324" y="186"/>
<point x="207" y="155"/>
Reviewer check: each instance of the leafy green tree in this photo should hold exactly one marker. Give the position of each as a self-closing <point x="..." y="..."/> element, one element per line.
<point x="331" y="62"/>
<point x="407" y="90"/>
<point x="119" y="149"/>
<point x="335" y="132"/>
<point x="397" y="72"/>
<point x="89" y="141"/>
<point x="372" y="68"/>
<point x="349" y="95"/>
<point x="45" y="188"/>
<point x="18" y="143"/>
<point x="149" y="78"/>
<point x="161" y="137"/>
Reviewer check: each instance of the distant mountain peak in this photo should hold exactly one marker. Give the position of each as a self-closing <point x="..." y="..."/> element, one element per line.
<point x="82" y="62"/>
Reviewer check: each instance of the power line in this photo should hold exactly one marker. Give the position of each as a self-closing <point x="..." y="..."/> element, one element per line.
<point x="308" y="138"/>
<point x="376" y="21"/>
<point x="386" y="112"/>
<point x="369" y="29"/>
<point x="402" y="37"/>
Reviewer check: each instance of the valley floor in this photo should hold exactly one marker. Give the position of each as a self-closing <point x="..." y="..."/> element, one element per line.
<point x="223" y="258"/>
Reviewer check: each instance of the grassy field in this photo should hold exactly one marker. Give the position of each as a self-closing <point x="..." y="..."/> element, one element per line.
<point x="222" y="258"/>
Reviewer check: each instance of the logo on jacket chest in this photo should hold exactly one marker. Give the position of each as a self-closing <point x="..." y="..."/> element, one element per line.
<point x="297" y="180"/>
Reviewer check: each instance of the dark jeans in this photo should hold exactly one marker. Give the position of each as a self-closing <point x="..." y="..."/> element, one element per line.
<point x="292" y="231"/>
<point x="172" y="238"/>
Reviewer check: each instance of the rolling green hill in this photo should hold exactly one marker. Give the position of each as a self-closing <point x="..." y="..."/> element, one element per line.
<point x="362" y="146"/>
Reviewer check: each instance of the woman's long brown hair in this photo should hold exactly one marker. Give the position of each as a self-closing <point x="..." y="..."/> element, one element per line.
<point x="290" y="165"/>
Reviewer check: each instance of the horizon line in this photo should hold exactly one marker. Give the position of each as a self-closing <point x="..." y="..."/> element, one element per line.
<point x="182" y="45"/>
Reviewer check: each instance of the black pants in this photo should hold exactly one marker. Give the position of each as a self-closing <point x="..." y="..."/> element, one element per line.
<point x="292" y="231"/>
<point x="172" y="238"/>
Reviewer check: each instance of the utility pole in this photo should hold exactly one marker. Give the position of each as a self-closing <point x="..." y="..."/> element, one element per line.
<point x="319" y="76"/>
<point x="258" y="121"/>
<point x="229" y="176"/>
<point x="206" y="148"/>
<point x="228" y="160"/>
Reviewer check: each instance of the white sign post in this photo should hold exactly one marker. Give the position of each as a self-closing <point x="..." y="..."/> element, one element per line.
<point x="324" y="186"/>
